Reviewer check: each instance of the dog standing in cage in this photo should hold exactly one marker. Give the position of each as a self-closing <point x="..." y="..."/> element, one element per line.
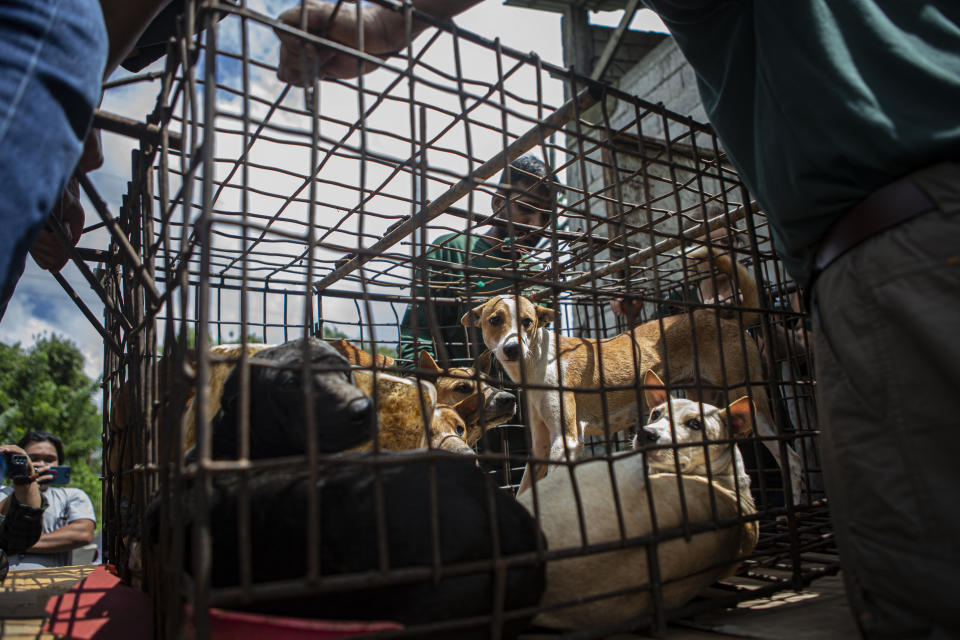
<point x="516" y="331"/>
<point x="522" y="207"/>
<point x="690" y="473"/>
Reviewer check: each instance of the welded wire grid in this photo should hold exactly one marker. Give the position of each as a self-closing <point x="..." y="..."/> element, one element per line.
<point x="264" y="212"/>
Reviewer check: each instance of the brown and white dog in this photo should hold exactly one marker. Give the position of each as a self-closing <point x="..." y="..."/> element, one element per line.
<point x="458" y="383"/>
<point x="684" y="436"/>
<point x="600" y="376"/>
<point x="648" y="496"/>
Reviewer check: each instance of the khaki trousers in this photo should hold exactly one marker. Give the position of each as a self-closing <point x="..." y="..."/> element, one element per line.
<point x="887" y="358"/>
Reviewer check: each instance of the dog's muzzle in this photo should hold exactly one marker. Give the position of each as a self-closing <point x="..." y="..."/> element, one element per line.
<point x="504" y="402"/>
<point x="649" y="435"/>
<point x="511" y="351"/>
<point x="361" y="412"/>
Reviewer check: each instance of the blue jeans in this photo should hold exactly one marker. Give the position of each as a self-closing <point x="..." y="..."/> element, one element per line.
<point x="52" y="57"/>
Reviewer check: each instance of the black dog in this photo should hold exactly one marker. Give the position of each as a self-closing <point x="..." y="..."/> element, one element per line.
<point x="344" y="417"/>
<point x="471" y="510"/>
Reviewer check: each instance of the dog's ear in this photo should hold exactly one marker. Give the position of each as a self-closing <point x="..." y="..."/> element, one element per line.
<point x="467" y="408"/>
<point x="738" y="417"/>
<point x="429" y="393"/>
<point x="545" y="315"/>
<point x="426" y="361"/>
<point x="472" y="317"/>
<point x="653" y="391"/>
<point x="483" y="362"/>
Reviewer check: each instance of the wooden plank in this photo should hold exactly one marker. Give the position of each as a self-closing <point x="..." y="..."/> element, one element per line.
<point x="24" y="629"/>
<point x="24" y="594"/>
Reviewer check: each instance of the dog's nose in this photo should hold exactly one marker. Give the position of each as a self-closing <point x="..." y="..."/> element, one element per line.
<point x="504" y="400"/>
<point x="650" y="435"/>
<point x="512" y="351"/>
<point x="360" y="411"/>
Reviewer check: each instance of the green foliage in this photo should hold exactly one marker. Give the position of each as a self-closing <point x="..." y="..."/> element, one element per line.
<point x="192" y="339"/>
<point x="44" y="389"/>
<point x="332" y="333"/>
<point x="390" y="352"/>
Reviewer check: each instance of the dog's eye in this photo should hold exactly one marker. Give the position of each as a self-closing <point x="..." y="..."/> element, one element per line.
<point x="463" y="387"/>
<point x="460" y="431"/>
<point x="495" y="320"/>
<point x="289" y="380"/>
<point x="694" y="423"/>
<point x="526" y="322"/>
<point x="655" y="415"/>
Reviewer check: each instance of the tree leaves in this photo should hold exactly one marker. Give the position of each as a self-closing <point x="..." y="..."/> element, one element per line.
<point x="44" y="388"/>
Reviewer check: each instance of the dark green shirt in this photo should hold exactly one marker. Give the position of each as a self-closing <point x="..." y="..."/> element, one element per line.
<point x="447" y="279"/>
<point x="820" y="102"/>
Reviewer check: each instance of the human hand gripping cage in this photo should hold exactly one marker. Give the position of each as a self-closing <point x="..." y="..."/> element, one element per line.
<point x="361" y="362"/>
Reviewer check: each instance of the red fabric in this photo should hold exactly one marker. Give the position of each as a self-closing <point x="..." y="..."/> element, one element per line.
<point x="99" y="607"/>
<point x="234" y="625"/>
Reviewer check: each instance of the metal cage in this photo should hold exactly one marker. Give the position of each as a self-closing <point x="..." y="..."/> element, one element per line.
<point x="260" y="212"/>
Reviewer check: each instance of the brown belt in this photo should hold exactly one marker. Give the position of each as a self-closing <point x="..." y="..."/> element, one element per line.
<point x="886" y="207"/>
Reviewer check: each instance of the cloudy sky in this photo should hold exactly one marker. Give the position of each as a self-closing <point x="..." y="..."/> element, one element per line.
<point x="40" y="306"/>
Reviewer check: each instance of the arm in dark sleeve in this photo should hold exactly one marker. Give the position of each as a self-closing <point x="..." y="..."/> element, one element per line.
<point x="21" y="527"/>
<point x="415" y="332"/>
<point x="683" y="10"/>
<point x="414" y="335"/>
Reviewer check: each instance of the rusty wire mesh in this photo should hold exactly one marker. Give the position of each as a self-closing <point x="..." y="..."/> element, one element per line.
<point x="262" y="213"/>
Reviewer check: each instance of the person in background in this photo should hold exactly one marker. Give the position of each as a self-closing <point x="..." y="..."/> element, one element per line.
<point x="526" y="197"/>
<point x="21" y="513"/>
<point x="68" y="520"/>
<point x="716" y="288"/>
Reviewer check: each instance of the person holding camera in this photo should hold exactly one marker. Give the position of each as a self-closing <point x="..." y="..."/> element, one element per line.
<point x="68" y="520"/>
<point x="21" y="510"/>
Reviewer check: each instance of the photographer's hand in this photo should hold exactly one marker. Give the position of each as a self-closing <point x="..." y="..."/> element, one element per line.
<point x="28" y="492"/>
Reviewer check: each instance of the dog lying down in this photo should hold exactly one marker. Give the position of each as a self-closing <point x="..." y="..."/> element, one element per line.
<point x="401" y="405"/>
<point x="349" y="536"/>
<point x="401" y="402"/>
<point x="458" y="383"/>
<point x="344" y="417"/>
<point x="350" y="490"/>
<point x="686" y="567"/>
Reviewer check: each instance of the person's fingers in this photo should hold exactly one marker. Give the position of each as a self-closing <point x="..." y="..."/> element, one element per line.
<point x="92" y="157"/>
<point x="43" y="473"/>
<point x="71" y="211"/>
<point x="300" y="62"/>
<point x="48" y="252"/>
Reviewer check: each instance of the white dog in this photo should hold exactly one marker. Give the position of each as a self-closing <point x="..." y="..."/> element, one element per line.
<point x="680" y="436"/>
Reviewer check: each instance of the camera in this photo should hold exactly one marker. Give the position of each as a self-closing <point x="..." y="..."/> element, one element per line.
<point x="15" y="466"/>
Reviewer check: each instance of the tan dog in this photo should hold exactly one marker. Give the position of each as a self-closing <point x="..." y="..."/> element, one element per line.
<point x="223" y="358"/>
<point x="685" y="566"/>
<point x="458" y="383"/>
<point x="448" y="429"/>
<point x="399" y="410"/>
<point x="516" y="331"/>
<point x="358" y="357"/>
